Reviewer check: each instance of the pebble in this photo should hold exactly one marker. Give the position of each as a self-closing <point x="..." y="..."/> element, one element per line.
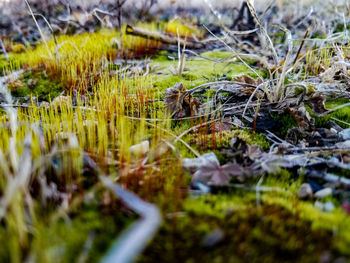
<point x="305" y="191"/>
<point x="213" y="238"/>
<point x="324" y="193"/>
<point x="326" y="207"/>
<point x="191" y="165"/>
<point x="344" y="134"/>
<point x="140" y="149"/>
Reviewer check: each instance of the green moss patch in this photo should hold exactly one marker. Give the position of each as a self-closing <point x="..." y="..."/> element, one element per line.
<point x="249" y="233"/>
<point x="36" y="83"/>
<point x="197" y="71"/>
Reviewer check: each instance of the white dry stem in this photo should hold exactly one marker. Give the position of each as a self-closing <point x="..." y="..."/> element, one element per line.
<point x="132" y="241"/>
<point x="20" y="179"/>
<point x="181" y="55"/>
<point x="40" y="31"/>
<point x="279" y="89"/>
<point x="263" y="30"/>
<point x="4" y="49"/>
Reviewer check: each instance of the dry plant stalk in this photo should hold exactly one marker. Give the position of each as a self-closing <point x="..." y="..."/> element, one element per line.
<point x="135" y="31"/>
<point x="181" y="55"/>
<point x="40" y="31"/>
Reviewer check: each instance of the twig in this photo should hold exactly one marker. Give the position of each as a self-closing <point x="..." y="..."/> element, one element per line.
<point x="156" y="36"/>
<point x="180" y="140"/>
<point x="301" y="45"/>
<point x="210" y="84"/>
<point x="328" y="177"/>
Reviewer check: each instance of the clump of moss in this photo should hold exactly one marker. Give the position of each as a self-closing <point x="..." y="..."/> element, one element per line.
<point x="177" y="26"/>
<point x="4" y="64"/>
<point x="207" y="141"/>
<point x="285" y="122"/>
<point x="249" y="233"/>
<point x="284" y="179"/>
<point x="64" y="240"/>
<point x="341" y="116"/>
<point x="36" y="83"/>
<point x="252" y="138"/>
<point x="197" y="72"/>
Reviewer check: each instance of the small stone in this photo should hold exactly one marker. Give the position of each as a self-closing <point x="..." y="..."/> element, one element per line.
<point x="334" y="131"/>
<point x="213" y="238"/>
<point x="326" y="207"/>
<point x="324" y="193"/>
<point x="346" y="158"/>
<point x="326" y="257"/>
<point x="305" y="191"/>
<point x="140" y="149"/>
<point x="344" y="134"/>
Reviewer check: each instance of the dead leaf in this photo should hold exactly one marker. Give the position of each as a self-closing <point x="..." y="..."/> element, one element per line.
<point x="253" y="152"/>
<point x="178" y="103"/>
<point x="296" y="136"/>
<point x="249" y="80"/>
<point x="208" y="170"/>
<point x="317" y="104"/>
<point x="302" y="117"/>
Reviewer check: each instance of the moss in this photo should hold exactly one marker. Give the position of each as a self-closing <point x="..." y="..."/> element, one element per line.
<point x="285" y="122"/>
<point x="197" y="72"/>
<point x="177" y="26"/>
<point x="341" y="116"/>
<point x="252" y="138"/>
<point x="5" y="65"/>
<point x="64" y="241"/>
<point x="284" y="179"/>
<point x="37" y="83"/>
<point x="271" y="232"/>
<point x="215" y="142"/>
<point x="216" y="54"/>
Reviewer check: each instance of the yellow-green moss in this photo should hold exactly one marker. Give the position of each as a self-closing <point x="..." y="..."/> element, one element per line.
<point x="274" y="232"/>
<point x="197" y="72"/>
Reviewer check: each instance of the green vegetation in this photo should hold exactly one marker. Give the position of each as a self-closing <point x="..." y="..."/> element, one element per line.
<point x="281" y="229"/>
<point x="99" y="109"/>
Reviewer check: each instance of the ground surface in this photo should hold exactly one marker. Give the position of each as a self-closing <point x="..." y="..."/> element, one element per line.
<point x="246" y="158"/>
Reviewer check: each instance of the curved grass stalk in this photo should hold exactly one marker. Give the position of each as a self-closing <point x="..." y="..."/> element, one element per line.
<point x="40" y="31"/>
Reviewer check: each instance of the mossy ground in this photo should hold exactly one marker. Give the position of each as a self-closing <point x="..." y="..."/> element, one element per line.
<point x="36" y="83"/>
<point x="63" y="239"/>
<point x="279" y="229"/>
<point x="197" y="71"/>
